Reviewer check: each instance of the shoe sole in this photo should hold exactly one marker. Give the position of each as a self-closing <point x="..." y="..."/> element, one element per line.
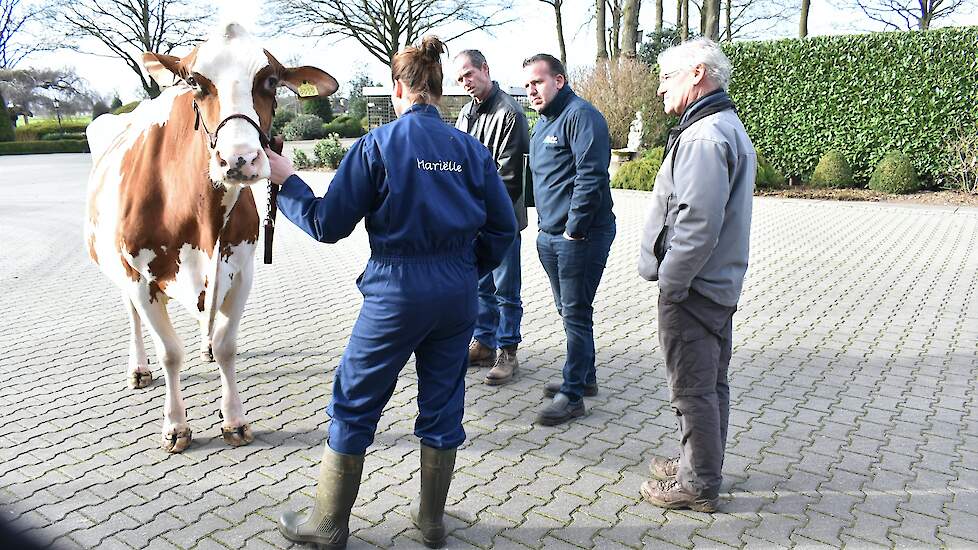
<point x="500" y="381"/>
<point x="482" y="364"/>
<point x="706" y="507"/>
<point x="545" y="421"/>
<point x="587" y="393"/>
<point x="298" y="539"/>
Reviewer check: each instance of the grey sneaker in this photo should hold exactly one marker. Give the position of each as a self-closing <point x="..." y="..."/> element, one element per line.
<point x="506" y="365"/>
<point x="670" y="494"/>
<point x="551" y="389"/>
<point x="560" y="410"/>
<point x="480" y="355"/>
<point x="664" y="468"/>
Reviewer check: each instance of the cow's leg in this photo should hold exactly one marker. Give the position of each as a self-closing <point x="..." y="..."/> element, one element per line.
<point x="138" y="373"/>
<point x="234" y="429"/>
<point x="169" y="352"/>
<point x="206" y="351"/>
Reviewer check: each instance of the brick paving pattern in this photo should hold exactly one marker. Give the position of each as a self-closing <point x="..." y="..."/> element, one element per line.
<point x="853" y="421"/>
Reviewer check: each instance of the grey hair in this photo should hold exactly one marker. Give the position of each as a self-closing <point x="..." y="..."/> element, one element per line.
<point x="695" y="52"/>
<point x="474" y="56"/>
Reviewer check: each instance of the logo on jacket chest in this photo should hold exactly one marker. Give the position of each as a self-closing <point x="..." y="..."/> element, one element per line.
<point x="550" y="140"/>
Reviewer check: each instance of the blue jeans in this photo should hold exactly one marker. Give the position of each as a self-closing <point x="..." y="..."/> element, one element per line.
<point x="500" y="308"/>
<point x="575" y="269"/>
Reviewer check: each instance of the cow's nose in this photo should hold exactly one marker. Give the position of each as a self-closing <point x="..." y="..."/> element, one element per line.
<point x="240" y="165"/>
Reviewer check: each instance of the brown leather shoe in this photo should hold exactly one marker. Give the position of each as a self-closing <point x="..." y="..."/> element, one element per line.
<point x="664" y="468"/>
<point x="502" y="372"/>
<point x="481" y="356"/>
<point x="670" y="494"/>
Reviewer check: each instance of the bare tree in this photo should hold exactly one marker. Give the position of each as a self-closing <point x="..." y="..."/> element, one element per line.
<point x="127" y="28"/>
<point x="629" y="35"/>
<point x="754" y="18"/>
<point x="710" y="17"/>
<point x="600" y="25"/>
<point x="384" y="27"/>
<point x="32" y="90"/>
<point x="909" y="14"/>
<point x="16" y="41"/>
<point x="557" y="5"/>
<point x="803" y="20"/>
<point x="614" y="33"/>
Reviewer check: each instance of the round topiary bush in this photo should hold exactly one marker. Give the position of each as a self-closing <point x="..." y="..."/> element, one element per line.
<point x="768" y="176"/>
<point x="894" y="174"/>
<point x="639" y="174"/>
<point x="303" y="127"/>
<point x="833" y="170"/>
<point x="329" y="152"/>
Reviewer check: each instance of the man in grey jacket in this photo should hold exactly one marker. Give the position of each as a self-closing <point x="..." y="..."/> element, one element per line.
<point x="695" y="244"/>
<point x="498" y="122"/>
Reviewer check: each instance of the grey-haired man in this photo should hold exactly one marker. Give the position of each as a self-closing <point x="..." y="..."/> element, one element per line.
<point x="695" y="244"/>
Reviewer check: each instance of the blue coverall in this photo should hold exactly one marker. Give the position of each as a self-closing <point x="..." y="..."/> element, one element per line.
<point x="438" y="218"/>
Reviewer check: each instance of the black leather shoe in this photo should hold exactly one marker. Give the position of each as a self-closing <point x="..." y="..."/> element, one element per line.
<point x="551" y="389"/>
<point x="560" y="410"/>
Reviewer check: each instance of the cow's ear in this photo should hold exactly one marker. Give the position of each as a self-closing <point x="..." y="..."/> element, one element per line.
<point x="164" y="69"/>
<point x="309" y="82"/>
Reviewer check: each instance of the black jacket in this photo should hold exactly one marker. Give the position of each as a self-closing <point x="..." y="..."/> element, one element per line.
<point x="500" y="124"/>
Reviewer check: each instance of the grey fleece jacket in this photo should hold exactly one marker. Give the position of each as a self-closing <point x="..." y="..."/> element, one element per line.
<point x="697" y="232"/>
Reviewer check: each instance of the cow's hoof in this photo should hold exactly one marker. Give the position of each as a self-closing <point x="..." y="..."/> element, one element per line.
<point x="207" y="355"/>
<point x="175" y="441"/>
<point x="139" y="380"/>
<point x="237" y="436"/>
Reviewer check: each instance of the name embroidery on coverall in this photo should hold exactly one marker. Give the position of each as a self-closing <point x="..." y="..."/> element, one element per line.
<point x="439" y="166"/>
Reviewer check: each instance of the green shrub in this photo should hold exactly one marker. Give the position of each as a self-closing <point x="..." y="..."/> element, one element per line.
<point x="116" y="103"/>
<point x="964" y="171"/>
<point x="768" y="176"/>
<point x="862" y="94"/>
<point x="303" y="127"/>
<point x="280" y="119"/>
<point x="894" y="174"/>
<point x="639" y="174"/>
<point x="35" y="147"/>
<point x="66" y="135"/>
<point x="329" y="152"/>
<point x="6" y="125"/>
<point x="344" y="127"/>
<point x="37" y="129"/>
<point x="832" y="171"/>
<point x="318" y="106"/>
<point x="127" y="108"/>
<point x="99" y="109"/>
<point x="300" y="160"/>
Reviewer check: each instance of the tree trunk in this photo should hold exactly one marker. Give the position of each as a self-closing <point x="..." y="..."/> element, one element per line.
<point x="711" y="19"/>
<point x="729" y="24"/>
<point x="560" y="32"/>
<point x="629" y="35"/>
<point x="679" y="13"/>
<point x="600" y="31"/>
<point x="615" y="30"/>
<point x="803" y="21"/>
<point x="684" y="24"/>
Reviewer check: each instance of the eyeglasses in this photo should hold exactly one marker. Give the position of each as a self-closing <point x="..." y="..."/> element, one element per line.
<point x="666" y="76"/>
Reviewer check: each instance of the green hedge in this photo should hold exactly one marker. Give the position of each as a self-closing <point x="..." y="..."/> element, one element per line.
<point x="36" y="147"/>
<point x="37" y="129"/>
<point x="862" y="95"/>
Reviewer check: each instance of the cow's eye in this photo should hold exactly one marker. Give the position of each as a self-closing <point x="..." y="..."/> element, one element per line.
<point x="192" y="82"/>
<point x="272" y="82"/>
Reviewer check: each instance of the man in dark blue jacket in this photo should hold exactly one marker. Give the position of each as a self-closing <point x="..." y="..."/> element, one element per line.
<point x="569" y="154"/>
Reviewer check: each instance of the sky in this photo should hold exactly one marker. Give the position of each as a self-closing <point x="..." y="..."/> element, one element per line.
<point x="532" y="32"/>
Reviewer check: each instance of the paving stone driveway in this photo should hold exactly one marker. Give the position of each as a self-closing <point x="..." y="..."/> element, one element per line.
<point x="854" y="418"/>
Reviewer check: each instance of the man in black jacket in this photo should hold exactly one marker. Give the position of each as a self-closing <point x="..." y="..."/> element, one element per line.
<point x="498" y="121"/>
<point x="569" y="155"/>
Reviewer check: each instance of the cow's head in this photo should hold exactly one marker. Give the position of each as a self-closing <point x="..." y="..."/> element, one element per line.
<point x="234" y="81"/>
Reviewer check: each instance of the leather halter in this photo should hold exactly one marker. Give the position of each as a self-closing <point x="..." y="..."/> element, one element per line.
<point x="212" y="136"/>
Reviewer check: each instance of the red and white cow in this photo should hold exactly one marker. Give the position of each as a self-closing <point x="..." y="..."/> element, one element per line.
<point x="170" y="211"/>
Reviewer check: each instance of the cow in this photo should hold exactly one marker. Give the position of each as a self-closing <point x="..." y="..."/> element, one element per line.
<point x="170" y="211"/>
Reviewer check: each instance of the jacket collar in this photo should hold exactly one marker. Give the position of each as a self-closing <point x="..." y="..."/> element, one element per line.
<point x="709" y="99"/>
<point x="423" y="109"/>
<point x="560" y="101"/>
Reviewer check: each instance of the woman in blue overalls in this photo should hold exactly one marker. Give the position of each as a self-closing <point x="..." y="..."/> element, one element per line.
<point x="438" y="218"/>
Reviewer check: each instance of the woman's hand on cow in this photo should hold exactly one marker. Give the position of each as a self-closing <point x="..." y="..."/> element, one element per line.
<point x="280" y="167"/>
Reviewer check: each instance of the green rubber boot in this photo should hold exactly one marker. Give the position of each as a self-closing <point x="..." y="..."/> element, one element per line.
<point x="437" y="467"/>
<point x="327" y="524"/>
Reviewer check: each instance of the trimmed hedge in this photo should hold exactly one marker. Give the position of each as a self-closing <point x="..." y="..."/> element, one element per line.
<point x="894" y="174"/>
<point x="639" y="174"/>
<point x="832" y="171"/>
<point x="39" y="128"/>
<point x="37" y="147"/>
<point x="863" y="95"/>
<point x="768" y="176"/>
<point x="344" y="126"/>
<point x="127" y="108"/>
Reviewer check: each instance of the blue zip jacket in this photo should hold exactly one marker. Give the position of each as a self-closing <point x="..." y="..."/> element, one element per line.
<point x="425" y="189"/>
<point x="569" y="155"/>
